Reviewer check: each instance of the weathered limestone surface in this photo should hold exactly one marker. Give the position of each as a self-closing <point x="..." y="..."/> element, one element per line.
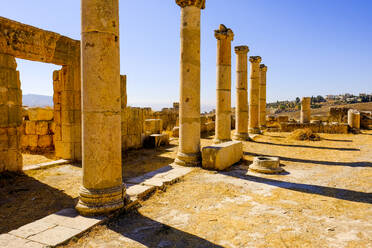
<point x="10" y="115"/>
<point x="253" y="126"/>
<point x="262" y="92"/>
<point x="353" y="119"/>
<point x="336" y="127"/>
<point x="267" y="165"/>
<point x="222" y="156"/>
<point x="305" y="110"/>
<point x="153" y="126"/>
<point x="103" y="189"/>
<point x="224" y="37"/>
<point x="189" y="117"/>
<point x="241" y="111"/>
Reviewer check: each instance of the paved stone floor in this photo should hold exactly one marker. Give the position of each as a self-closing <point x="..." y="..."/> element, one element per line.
<point x="323" y="200"/>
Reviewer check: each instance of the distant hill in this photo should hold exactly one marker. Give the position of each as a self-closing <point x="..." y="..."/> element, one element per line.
<point x="33" y="100"/>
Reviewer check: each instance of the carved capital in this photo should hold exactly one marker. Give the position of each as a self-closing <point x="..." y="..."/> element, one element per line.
<point x="255" y="59"/>
<point x="223" y="33"/>
<point x="197" y="3"/>
<point x="241" y="49"/>
<point x="263" y="67"/>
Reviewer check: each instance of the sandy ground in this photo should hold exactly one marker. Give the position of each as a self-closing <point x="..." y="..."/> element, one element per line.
<point x="323" y="199"/>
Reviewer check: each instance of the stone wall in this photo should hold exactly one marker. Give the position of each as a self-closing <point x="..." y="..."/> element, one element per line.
<point x="341" y="128"/>
<point x="168" y="116"/>
<point x="10" y="115"/>
<point x="338" y="114"/>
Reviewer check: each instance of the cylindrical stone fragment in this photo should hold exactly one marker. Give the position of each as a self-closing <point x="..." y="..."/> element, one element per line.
<point x="353" y="118"/>
<point x="103" y="190"/>
<point x="189" y="109"/>
<point x="253" y="126"/>
<point x="262" y="103"/>
<point x="224" y="37"/>
<point x="241" y="110"/>
<point x="305" y="110"/>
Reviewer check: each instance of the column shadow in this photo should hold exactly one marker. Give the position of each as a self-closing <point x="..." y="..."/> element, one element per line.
<point x="309" y="161"/>
<point x="311" y="147"/>
<point x="152" y="233"/>
<point x="342" y="194"/>
<point x="23" y="199"/>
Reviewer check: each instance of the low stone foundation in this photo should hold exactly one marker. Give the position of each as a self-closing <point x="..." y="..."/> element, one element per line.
<point x="341" y="128"/>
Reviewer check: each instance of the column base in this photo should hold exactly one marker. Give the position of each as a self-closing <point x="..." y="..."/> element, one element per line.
<point x="219" y="141"/>
<point x="100" y="201"/>
<point x="254" y="130"/>
<point x="241" y="136"/>
<point x="188" y="160"/>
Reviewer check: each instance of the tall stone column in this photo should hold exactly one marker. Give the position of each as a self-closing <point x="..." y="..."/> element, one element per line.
<point x="253" y="126"/>
<point x="224" y="37"/>
<point x="262" y="102"/>
<point x="103" y="189"/>
<point x="305" y="110"/>
<point x="189" y="111"/>
<point x="241" y="114"/>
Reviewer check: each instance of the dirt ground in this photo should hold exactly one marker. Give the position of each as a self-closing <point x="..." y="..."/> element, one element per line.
<point x="322" y="200"/>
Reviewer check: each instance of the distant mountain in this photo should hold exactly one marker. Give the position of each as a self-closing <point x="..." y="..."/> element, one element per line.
<point x="33" y="100"/>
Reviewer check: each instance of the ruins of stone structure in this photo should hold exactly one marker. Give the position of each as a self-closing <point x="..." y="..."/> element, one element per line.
<point x="262" y="92"/>
<point x="254" y="82"/>
<point x="224" y="37"/>
<point x="10" y="114"/>
<point x="102" y="189"/>
<point x="241" y="111"/>
<point x="189" y="132"/>
<point x="26" y="42"/>
<point x="305" y="110"/>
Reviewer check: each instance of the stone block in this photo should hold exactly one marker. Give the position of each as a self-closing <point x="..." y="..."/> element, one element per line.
<point x="283" y="118"/>
<point x="156" y="140"/>
<point x="176" y="132"/>
<point x="153" y="126"/>
<point x="222" y="156"/>
<point x="40" y="114"/>
<point x="42" y="128"/>
<point x="45" y="141"/>
<point x="4" y="144"/>
<point x="24" y="141"/>
<point x="55" y="235"/>
<point x="32" y="140"/>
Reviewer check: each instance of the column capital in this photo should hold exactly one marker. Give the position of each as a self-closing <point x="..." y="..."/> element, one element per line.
<point x="196" y="3"/>
<point x="255" y="59"/>
<point x="241" y="49"/>
<point x="263" y="67"/>
<point x="223" y="33"/>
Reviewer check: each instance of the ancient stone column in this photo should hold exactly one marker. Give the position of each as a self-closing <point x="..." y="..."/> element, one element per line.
<point x="305" y="110"/>
<point x="189" y="111"/>
<point x="262" y="102"/>
<point x="253" y="126"/>
<point x="103" y="189"/>
<point x="224" y="37"/>
<point x="241" y="110"/>
<point x="353" y="119"/>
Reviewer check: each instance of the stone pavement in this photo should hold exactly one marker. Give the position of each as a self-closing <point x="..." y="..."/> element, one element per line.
<point x="60" y="227"/>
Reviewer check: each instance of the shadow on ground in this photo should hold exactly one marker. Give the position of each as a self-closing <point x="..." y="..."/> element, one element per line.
<point x="309" y="161"/>
<point x="311" y="147"/>
<point x="342" y="194"/>
<point x="24" y="199"/>
<point x="152" y="233"/>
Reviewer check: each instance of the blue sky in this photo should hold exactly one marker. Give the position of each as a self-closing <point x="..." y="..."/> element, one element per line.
<point x="311" y="47"/>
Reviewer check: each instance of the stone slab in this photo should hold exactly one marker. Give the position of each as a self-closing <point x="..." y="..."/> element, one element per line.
<point x="32" y="229"/>
<point x="222" y="156"/>
<point x="11" y="241"/>
<point x="140" y="191"/>
<point x="70" y="218"/>
<point x="55" y="236"/>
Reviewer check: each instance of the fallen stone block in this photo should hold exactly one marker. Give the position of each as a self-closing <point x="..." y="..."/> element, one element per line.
<point x="176" y="132"/>
<point x="156" y="140"/>
<point x="222" y="156"/>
